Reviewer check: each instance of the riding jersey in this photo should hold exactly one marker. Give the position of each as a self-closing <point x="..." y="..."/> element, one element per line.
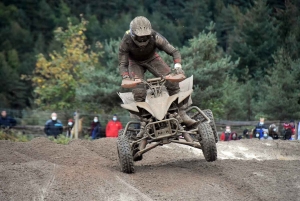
<point x="128" y="50"/>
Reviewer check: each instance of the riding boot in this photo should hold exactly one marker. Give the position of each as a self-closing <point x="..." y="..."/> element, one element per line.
<point x="142" y="130"/>
<point x="141" y="133"/>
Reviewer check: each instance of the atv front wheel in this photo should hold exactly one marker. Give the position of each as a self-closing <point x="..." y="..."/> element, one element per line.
<point x="125" y="154"/>
<point x="210" y="115"/>
<point x="207" y="142"/>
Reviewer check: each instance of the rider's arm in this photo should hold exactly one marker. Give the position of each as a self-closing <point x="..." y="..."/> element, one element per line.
<point x="123" y="57"/>
<point x="163" y="44"/>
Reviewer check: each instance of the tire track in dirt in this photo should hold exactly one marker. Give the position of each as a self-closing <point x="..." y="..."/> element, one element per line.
<point x="89" y="170"/>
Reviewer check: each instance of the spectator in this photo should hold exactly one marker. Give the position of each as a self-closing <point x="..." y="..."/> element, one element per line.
<point x="93" y="124"/>
<point x="225" y="135"/>
<point x="96" y="128"/>
<point x="265" y="135"/>
<point x="273" y="131"/>
<point x="292" y="124"/>
<point x="298" y="135"/>
<point x="234" y="136"/>
<point x="53" y="126"/>
<point x="258" y="130"/>
<point x="113" y="127"/>
<point x="6" y="121"/>
<point x="69" y="127"/>
<point x="246" y="134"/>
<point x="289" y="130"/>
<point x="229" y="135"/>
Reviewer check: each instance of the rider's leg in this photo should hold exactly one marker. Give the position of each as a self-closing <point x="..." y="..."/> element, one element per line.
<point x="139" y="92"/>
<point x="158" y="67"/>
<point x="137" y="71"/>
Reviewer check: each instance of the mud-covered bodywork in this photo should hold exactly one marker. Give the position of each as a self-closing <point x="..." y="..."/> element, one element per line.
<point x="160" y="122"/>
<point x="158" y="105"/>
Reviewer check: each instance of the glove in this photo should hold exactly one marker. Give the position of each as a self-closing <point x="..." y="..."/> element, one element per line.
<point x="126" y="77"/>
<point x="178" y="68"/>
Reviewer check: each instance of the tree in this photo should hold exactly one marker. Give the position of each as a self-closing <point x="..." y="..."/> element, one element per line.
<point x="289" y="27"/>
<point x="254" y="41"/>
<point x="12" y="90"/>
<point x="57" y="77"/>
<point x="232" y="100"/>
<point x="209" y="65"/>
<point x="99" y="93"/>
<point x="282" y="88"/>
<point x="225" y="24"/>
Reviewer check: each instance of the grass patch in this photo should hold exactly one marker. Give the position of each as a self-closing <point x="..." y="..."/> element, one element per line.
<point x="14" y="137"/>
<point x="61" y="139"/>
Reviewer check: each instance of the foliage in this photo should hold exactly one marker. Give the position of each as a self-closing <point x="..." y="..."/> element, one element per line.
<point x="61" y="139"/>
<point x="282" y="88"/>
<point x="56" y="79"/>
<point x="102" y="85"/>
<point x="289" y="27"/>
<point x="11" y="86"/>
<point x="254" y="41"/>
<point x="87" y="137"/>
<point x="246" y="30"/>
<point x="14" y="136"/>
<point x="210" y="66"/>
<point x="226" y="21"/>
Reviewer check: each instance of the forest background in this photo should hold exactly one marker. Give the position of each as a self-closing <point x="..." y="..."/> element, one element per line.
<point x="63" y="55"/>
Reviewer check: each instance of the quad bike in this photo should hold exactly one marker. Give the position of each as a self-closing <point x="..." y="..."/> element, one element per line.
<point x="159" y="118"/>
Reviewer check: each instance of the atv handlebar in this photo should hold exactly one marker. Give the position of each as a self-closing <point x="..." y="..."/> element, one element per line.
<point x="126" y="83"/>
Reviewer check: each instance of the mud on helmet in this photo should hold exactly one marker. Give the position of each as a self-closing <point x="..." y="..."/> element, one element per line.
<point x="140" y="31"/>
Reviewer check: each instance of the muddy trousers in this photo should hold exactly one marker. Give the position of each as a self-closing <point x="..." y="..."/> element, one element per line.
<point x="158" y="68"/>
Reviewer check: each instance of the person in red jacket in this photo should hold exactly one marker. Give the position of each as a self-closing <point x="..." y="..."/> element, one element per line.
<point x="229" y="135"/>
<point x="289" y="130"/>
<point x="113" y="126"/>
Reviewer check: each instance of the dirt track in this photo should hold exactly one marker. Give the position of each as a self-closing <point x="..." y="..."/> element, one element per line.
<point x="84" y="170"/>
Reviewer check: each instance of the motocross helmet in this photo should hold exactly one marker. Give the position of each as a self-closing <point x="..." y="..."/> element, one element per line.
<point x="140" y="31"/>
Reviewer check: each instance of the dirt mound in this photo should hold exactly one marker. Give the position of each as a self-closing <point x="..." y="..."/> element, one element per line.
<point x="89" y="170"/>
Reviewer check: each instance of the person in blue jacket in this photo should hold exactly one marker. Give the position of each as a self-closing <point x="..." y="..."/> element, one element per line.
<point x="96" y="128"/>
<point x="53" y="126"/>
<point x="258" y="131"/>
<point x="6" y="121"/>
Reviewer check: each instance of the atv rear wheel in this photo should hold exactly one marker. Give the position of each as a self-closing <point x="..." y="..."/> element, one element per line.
<point x="207" y="142"/>
<point x="125" y="154"/>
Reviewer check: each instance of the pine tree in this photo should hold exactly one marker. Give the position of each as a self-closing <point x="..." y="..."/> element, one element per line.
<point x="99" y="93"/>
<point x="289" y="27"/>
<point x="209" y="66"/>
<point x="282" y="88"/>
<point x="225" y="23"/>
<point x="254" y="41"/>
<point x="12" y="90"/>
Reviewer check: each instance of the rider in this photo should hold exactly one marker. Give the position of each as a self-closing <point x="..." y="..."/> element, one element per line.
<point x="137" y="53"/>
